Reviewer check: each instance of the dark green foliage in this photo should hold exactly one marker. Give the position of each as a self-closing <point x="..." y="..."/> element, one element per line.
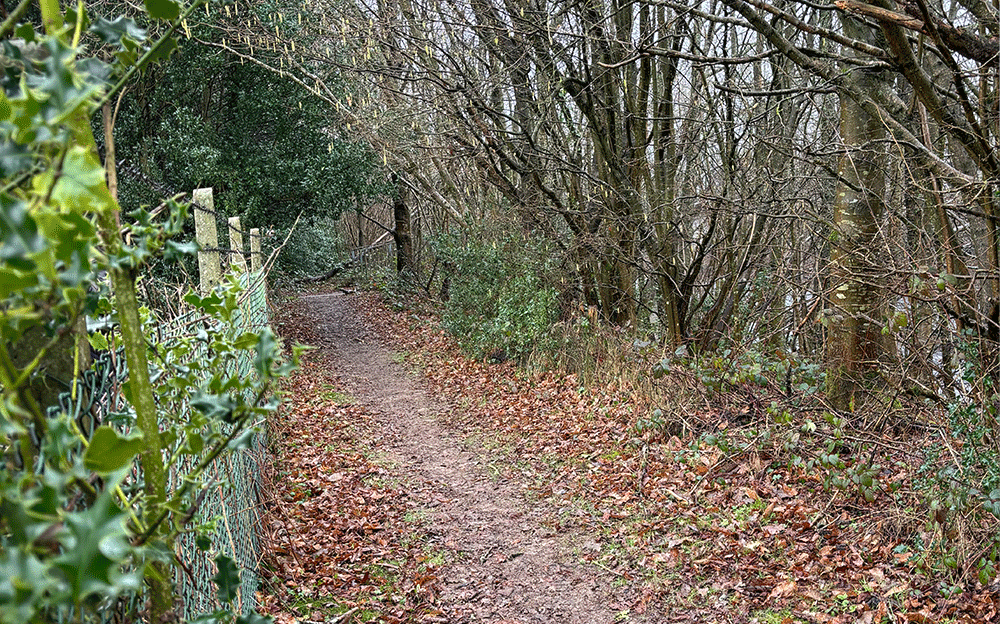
<point x="728" y="367"/>
<point x="269" y="149"/>
<point x="78" y="529"/>
<point x="964" y="479"/>
<point x="973" y="481"/>
<point x="500" y="303"/>
<point x="314" y="248"/>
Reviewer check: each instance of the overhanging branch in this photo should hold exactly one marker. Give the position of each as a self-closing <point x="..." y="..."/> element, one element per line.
<point x="969" y="45"/>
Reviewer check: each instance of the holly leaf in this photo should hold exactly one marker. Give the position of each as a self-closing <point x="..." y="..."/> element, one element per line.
<point x="267" y="352"/>
<point x="18" y="232"/>
<point x="94" y="70"/>
<point x="98" y="341"/>
<point x="108" y="451"/>
<point x="94" y="548"/>
<point x="14" y="158"/>
<point x="79" y="186"/>
<point x="25" y="31"/>
<point x="222" y="616"/>
<point x="57" y="79"/>
<point x="227" y="579"/>
<point x="173" y="250"/>
<point x="112" y="32"/>
<point x="24" y="581"/>
<point x="163" y="50"/>
<point x="216" y="407"/>
<point x="162" y="9"/>
<point x="13" y="280"/>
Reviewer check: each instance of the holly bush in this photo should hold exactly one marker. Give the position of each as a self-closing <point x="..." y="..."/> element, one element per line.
<point x="87" y="518"/>
<point x="501" y="302"/>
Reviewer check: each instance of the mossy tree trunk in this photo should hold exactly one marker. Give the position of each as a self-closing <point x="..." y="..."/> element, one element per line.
<point x="402" y="232"/>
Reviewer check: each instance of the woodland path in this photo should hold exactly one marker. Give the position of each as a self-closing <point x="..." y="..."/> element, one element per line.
<point x="505" y="564"/>
<point x="515" y="504"/>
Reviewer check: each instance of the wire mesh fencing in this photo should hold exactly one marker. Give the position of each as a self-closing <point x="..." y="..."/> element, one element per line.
<point x="230" y="501"/>
<point x="232" y="498"/>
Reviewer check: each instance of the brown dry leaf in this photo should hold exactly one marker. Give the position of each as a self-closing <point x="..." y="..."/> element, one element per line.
<point x="774" y="529"/>
<point x="783" y="589"/>
<point x="868" y="617"/>
<point x="551" y="416"/>
<point x="818" y="618"/>
<point x="670" y="557"/>
<point x="812" y="594"/>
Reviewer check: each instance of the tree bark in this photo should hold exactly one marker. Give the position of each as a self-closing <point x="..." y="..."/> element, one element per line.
<point x="401" y="232"/>
<point x="855" y="341"/>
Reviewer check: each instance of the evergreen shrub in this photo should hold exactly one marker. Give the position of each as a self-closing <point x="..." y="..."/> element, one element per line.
<point x="500" y="304"/>
<point x="313" y="248"/>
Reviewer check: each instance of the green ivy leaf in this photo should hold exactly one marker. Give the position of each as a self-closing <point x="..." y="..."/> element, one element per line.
<point x="108" y="451"/>
<point x="227" y="579"/>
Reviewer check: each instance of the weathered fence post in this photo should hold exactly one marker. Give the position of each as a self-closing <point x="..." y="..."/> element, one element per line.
<point x="209" y="266"/>
<point x="255" y="262"/>
<point x="236" y="245"/>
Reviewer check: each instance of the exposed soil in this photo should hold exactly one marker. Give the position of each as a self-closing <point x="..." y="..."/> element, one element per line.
<point x="506" y="559"/>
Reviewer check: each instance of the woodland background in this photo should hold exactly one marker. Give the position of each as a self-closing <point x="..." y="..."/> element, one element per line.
<point x="793" y="202"/>
<point x="795" y="193"/>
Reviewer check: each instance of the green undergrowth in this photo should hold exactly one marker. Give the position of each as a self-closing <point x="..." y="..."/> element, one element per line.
<point x="499" y="304"/>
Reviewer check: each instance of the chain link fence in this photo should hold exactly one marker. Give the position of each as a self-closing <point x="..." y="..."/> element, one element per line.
<point x="232" y="498"/>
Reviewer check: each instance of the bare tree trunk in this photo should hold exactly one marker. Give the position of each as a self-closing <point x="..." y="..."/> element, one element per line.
<point x="401" y="232"/>
<point x="855" y="341"/>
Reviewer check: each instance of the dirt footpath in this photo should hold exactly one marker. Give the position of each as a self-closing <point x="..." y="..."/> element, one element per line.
<point x="504" y="563"/>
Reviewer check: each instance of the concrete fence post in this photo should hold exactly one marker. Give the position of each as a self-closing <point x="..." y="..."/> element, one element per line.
<point x="209" y="266"/>
<point x="236" y="257"/>
<point x="255" y="260"/>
